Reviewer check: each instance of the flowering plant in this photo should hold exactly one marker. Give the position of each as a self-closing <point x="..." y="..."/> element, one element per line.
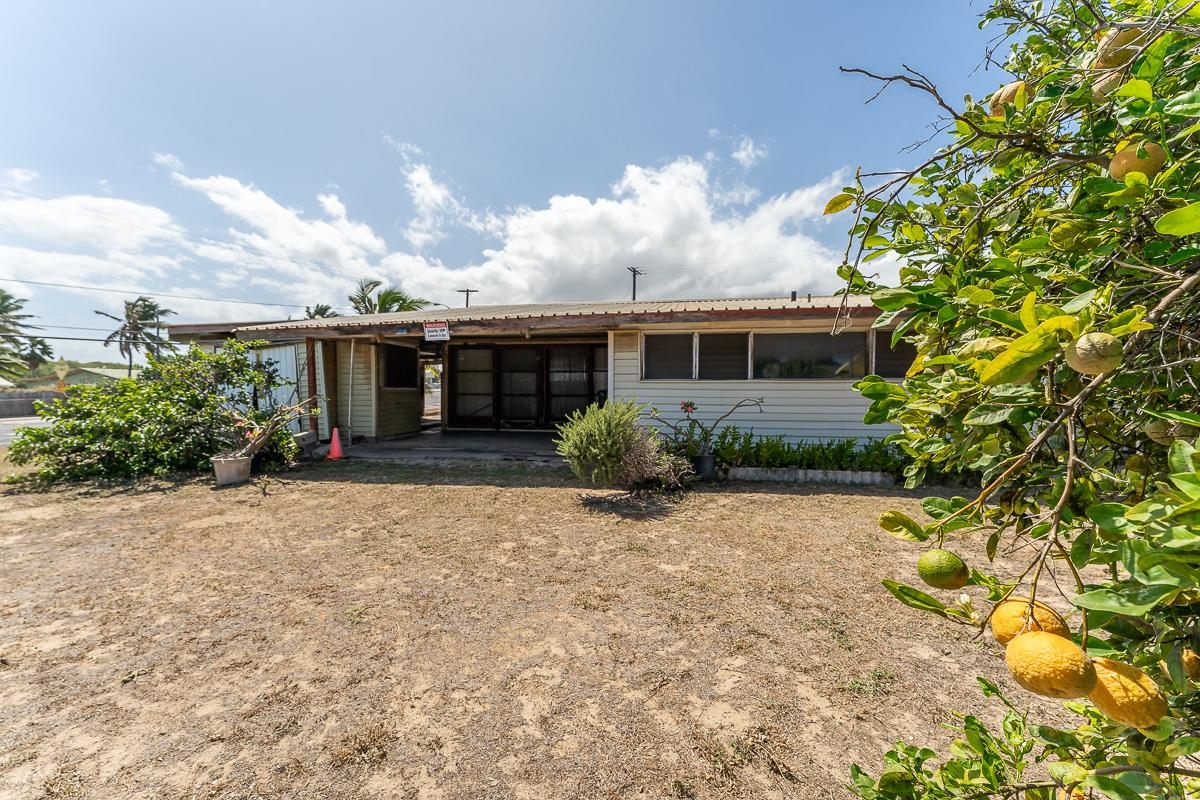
<point x="692" y="433"/>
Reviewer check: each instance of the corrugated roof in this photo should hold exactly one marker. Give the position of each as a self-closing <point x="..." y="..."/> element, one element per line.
<point x="551" y="310"/>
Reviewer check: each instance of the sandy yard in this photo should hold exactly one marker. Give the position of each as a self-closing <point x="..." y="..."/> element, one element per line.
<point x="371" y="631"/>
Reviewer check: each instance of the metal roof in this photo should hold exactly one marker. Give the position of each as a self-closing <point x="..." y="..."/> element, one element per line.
<point x="552" y="310"/>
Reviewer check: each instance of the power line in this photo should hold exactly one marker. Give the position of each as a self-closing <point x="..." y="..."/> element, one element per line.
<point x="71" y="338"/>
<point x="138" y="292"/>
<point x="634" y="271"/>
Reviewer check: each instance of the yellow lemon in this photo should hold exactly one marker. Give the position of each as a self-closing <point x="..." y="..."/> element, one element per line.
<point x="1050" y="665"/>
<point x="1094" y="353"/>
<point x="1127" y="695"/>
<point x="1128" y="161"/>
<point x="1012" y="617"/>
<point x="1003" y="96"/>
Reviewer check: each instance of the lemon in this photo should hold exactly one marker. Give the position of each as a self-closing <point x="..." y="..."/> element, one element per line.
<point x="1003" y="96"/>
<point x="1094" y="353"/>
<point x="1128" y="161"/>
<point x="1011" y="618"/>
<point x="942" y="569"/>
<point x="1050" y="665"/>
<point x="1164" y="431"/>
<point x="1191" y="665"/>
<point x="1118" y="47"/>
<point x="1125" y="694"/>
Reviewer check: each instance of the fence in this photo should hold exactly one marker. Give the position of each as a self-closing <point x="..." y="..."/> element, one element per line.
<point x="19" y="403"/>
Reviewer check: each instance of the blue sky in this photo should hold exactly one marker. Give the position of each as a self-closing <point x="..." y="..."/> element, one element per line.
<point x="274" y="152"/>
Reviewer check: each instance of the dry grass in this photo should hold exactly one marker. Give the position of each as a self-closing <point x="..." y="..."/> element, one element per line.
<point x="363" y="631"/>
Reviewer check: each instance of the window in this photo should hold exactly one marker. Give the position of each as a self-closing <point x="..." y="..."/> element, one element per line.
<point x="668" y="355"/>
<point x="723" y="356"/>
<point x="892" y="362"/>
<point x="788" y="356"/>
<point x="398" y="367"/>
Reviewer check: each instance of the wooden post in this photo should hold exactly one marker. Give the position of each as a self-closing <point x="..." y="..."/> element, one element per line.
<point x="310" y="348"/>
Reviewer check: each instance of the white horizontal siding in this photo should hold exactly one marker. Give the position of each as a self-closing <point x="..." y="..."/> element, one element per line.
<point x="802" y="410"/>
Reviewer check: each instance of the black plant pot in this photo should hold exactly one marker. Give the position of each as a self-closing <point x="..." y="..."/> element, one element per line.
<point x="705" y="466"/>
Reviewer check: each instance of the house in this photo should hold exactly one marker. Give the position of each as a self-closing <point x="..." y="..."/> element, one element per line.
<point x="526" y="367"/>
<point x="80" y="376"/>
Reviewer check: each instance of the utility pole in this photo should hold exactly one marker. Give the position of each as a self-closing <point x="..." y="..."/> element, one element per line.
<point x="634" y="271"/>
<point x="468" y="293"/>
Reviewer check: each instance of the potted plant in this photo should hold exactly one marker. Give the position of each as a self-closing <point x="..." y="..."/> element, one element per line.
<point x="253" y="433"/>
<point x="695" y="437"/>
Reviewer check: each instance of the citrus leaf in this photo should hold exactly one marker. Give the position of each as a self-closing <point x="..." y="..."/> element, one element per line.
<point x="839" y="202"/>
<point x="1185" y="105"/>
<point x="1133" y="602"/>
<point x="915" y="598"/>
<point x="1180" y="222"/>
<point x="1136" y="88"/>
<point x="902" y="526"/>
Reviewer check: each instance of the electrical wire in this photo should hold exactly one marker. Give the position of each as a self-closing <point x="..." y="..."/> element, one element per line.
<point x="150" y="294"/>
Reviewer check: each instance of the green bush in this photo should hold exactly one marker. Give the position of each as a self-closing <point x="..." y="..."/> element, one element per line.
<point x="736" y="448"/>
<point x="172" y="418"/>
<point x="608" y="445"/>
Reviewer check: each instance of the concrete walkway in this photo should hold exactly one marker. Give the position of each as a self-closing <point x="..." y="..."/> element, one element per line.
<point x="477" y="447"/>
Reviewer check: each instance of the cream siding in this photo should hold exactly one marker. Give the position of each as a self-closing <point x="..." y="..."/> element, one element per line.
<point x="801" y="410"/>
<point x="323" y="425"/>
<point x="356" y="399"/>
<point x="399" y="412"/>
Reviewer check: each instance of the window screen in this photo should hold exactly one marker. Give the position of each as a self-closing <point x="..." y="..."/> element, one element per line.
<point x="810" y="355"/>
<point x="723" y="356"/>
<point x="892" y="362"/>
<point x="399" y="367"/>
<point x="668" y="355"/>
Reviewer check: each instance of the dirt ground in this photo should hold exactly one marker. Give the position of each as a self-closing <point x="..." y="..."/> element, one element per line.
<point x="372" y="631"/>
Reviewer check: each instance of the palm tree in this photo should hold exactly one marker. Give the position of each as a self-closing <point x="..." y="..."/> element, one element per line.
<point x="140" y="329"/>
<point x="385" y="301"/>
<point x="36" y="352"/>
<point x="319" y="311"/>
<point x="12" y="334"/>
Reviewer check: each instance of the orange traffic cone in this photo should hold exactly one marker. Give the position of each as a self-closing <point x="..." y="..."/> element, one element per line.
<point x="335" y="446"/>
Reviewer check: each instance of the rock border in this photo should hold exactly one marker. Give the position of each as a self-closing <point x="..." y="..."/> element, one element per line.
<point x="787" y="475"/>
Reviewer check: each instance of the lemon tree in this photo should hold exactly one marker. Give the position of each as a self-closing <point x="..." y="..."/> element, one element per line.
<point x="1049" y="278"/>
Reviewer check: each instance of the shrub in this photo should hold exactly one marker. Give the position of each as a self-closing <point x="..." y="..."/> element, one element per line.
<point x="172" y="418"/>
<point x="608" y="445"/>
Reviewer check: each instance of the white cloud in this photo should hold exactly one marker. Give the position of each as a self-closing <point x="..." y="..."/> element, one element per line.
<point x="577" y="248"/>
<point x="167" y="160"/>
<point x="18" y="177"/>
<point x="96" y="224"/>
<point x="437" y="209"/>
<point x="694" y="233"/>
<point x="747" y="152"/>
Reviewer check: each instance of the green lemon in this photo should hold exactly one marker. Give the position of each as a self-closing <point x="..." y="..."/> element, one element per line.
<point x="942" y="569"/>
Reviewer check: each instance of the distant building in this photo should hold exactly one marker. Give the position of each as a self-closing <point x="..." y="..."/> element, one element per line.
<point x="80" y="376"/>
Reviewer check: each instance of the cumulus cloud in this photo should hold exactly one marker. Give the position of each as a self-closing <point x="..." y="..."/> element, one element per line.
<point x="693" y="234"/>
<point x="17" y="177"/>
<point x="748" y="152"/>
<point x="437" y="208"/>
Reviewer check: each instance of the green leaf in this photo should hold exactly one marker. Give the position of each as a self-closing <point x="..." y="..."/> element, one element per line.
<point x="988" y="415"/>
<point x="1111" y="787"/>
<point x="1180" y="458"/>
<point x="1136" y="88"/>
<point x="1134" y="601"/>
<point x="1185" y="105"/>
<point x="1028" y="352"/>
<point x="915" y="598"/>
<point x="1180" y="222"/>
<point x="839" y="202"/>
<point x="1183" y="746"/>
<point x="893" y="299"/>
<point x="902" y="526"/>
